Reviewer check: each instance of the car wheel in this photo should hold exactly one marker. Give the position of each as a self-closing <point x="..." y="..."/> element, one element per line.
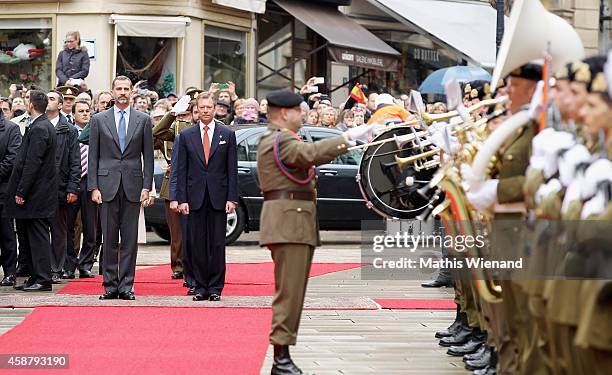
<point x="235" y="225"/>
<point x="163" y="232"/>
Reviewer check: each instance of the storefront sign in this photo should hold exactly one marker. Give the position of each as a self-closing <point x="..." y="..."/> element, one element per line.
<point x="425" y="54"/>
<point x="362" y="59"/>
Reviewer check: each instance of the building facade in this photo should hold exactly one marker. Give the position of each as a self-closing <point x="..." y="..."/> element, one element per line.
<point x="171" y="45"/>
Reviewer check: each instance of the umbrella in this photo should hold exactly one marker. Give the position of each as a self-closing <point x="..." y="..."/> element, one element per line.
<point x="434" y="83"/>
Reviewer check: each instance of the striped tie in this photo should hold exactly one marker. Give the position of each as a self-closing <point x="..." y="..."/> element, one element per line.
<point x="84" y="150"/>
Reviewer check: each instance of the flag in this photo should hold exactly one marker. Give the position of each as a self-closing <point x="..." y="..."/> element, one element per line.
<point x="358" y="95"/>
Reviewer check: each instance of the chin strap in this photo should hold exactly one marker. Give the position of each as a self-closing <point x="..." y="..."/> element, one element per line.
<point x="286" y="170"/>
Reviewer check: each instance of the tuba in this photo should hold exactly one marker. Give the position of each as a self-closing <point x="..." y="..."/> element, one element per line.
<point x="529" y="31"/>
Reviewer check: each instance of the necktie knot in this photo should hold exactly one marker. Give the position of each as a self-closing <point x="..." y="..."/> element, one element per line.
<point x="206" y="128"/>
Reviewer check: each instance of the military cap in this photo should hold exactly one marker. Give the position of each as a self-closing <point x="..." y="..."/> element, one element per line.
<point x="284" y="99"/>
<point x="479" y="89"/>
<point x="224" y="103"/>
<point x="193" y="93"/>
<point x="171" y="94"/>
<point x="598" y="84"/>
<point x="68" y="91"/>
<point x="530" y="71"/>
<point x="588" y="69"/>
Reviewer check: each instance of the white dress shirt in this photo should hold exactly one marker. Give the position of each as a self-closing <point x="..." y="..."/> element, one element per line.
<point x="55" y="121"/>
<point x="211" y="131"/>
<point x="126" y="116"/>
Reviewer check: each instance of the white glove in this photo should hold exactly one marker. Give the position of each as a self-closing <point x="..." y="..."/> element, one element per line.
<point x="470" y="182"/>
<point x="600" y="170"/>
<point x="182" y="105"/>
<point x="572" y="193"/>
<point x="445" y="141"/>
<point x="358" y="132"/>
<point x="485" y="197"/>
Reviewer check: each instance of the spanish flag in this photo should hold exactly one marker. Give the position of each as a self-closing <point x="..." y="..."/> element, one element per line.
<point x="358" y="95"/>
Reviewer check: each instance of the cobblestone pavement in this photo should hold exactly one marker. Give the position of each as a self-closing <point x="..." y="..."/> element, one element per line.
<point x="342" y="329"/>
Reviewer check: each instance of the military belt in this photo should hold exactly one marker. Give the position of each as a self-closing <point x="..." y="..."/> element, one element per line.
<point x="290" y="195"/>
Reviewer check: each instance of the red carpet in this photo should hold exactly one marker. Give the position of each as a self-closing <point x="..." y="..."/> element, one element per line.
<point x="242" y="279"/>
<point x="144" y="340"/>
<point x="417" y="304"/>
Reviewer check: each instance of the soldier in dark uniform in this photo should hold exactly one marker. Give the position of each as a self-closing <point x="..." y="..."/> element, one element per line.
<point x="289" y="226"/>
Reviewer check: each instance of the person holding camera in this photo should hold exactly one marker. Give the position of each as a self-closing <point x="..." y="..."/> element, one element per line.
<point x="73" y="61"/>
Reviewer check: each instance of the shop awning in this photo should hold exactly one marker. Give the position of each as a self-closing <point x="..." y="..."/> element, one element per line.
<point x="150" y="26"/>
<point x="348" y="42"/>
<point x="255" y="6"/>
<point x="466" y="27"/>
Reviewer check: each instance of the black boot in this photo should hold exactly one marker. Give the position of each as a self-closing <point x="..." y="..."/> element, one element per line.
<point x="453" y="328"/>
<point x="283" y="365"/>
<point x="479" y="363"/>
<point x="479" y="353"/>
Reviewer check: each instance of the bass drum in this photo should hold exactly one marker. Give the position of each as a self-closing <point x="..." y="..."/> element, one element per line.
<point x="383" y="185"/>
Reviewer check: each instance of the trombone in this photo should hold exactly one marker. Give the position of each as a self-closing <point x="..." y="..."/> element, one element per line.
<point x="429" y="119"/>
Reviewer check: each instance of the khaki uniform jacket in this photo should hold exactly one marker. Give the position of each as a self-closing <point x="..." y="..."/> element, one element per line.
<point x="164" y="134"/>
<point x="515" y="160"/>
<point x="291" y="221"/>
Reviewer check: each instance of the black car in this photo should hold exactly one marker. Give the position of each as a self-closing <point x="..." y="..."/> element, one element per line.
<point x="339" y="201"/>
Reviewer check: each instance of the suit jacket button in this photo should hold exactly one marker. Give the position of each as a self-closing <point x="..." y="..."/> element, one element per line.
<point x="299" y="209"/>
<point x="509" y="157"/>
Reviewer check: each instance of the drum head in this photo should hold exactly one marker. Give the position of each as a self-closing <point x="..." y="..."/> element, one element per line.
<point x="383" y="185"/>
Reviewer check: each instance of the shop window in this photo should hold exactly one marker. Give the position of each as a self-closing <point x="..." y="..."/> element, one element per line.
<point x="26" y="53"/>
<point x="225" y="58"/>
<point x="149" y="59"/>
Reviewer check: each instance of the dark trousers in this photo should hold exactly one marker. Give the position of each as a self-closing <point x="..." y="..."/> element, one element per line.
<point x="38" y="249"/>
<point x="119" y="260"/>
<point x="8" y="245"/>
<point x="186" y="252"/>
<point x="59" y="238"/>
<point x="84" y="258"/>
<point x="22" y="260"/>
<point x="206" y="228"/>
<point x="176" y="238"/>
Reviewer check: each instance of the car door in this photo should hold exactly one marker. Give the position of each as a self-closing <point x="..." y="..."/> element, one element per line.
<point x="339" y="200"/>
<point x="247" y="172"/>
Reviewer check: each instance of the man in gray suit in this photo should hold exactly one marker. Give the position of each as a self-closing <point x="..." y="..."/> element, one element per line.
<point x="121" y="140"/>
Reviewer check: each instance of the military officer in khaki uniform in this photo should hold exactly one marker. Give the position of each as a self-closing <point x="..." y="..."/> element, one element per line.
<point x="289" y="226"/>
<point x="164" y="133"/>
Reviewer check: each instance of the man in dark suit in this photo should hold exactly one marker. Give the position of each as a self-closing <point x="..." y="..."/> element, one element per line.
<point x="68" y="176"/>
<point x="10" y="140"/>
<point x="33" y="191"/>
<point x="121" y="140"/>
<point x="88" y="209"/>
<point x="207" y="190"/>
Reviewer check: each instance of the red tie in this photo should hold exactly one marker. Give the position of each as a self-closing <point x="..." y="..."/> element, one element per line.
<point x="206" y="144"/>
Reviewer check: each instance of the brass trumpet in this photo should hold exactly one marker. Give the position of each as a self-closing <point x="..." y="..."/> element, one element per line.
<point x="418" y="160"/>
<point x="430" y="119"/>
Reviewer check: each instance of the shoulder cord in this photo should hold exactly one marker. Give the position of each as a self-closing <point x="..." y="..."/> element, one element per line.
<point x="286" y="170"/>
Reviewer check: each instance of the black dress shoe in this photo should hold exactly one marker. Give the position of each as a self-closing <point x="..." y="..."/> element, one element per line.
<point x="468" y="348"/>
<point x="479" y="363"/>
<point x="128" y="296"/>
<point x="215" y="297"/>
<point x="110" y="295"/>
<point x="479" y="353"/>
<point x="200" y="297"/>
<point x="283" y="364"/>
<point x="437" y="284"/>
<point x="85" y="274"/>
<point x="177" y="275"/>
<point x="8" y="281"/>
<point x="186" y="284"/>
<point x="26" y="282"/>
<point x="56" y="278"/>
<point x="191" y="292"/>
<point x="461" y="337"/>
<point x="68" y="275"/>
<point x="36" y="287"/>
